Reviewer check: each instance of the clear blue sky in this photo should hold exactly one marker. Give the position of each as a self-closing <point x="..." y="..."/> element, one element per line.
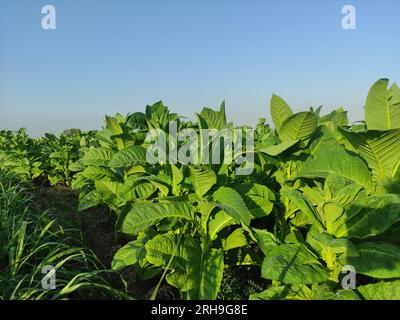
<point x="117" y="56"/>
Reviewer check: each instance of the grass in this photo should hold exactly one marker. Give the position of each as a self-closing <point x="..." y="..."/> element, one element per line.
<point x="31" y="239"/>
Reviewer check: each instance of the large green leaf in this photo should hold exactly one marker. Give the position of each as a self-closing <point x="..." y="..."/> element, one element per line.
<point x="328" y="161"/>
<point x="97" y="157"/>
<point x="299" y="126"/>
<point x="202" y="179"/>
<point x="113" y="126"/>
<point x="258" y="198"/>
<point x="91" y="199"/>
<point x="368" y="218"/>
<point x="376" y="259"/>
<point x="144" y="215"/>
<point x="280" y="111"/>
<point x="128" y="157"/>
<point x="294" y="292"/>
<point x="235" y="240"/>
<point x="232" y="203"/>
<point x="381" y="150"/>
<point x="206" y="269"/>
<point x="381" y="290"/>
<point x="129" y="254"/>
<point x="197" y="273"/>
<point x="169" y="250"/>
<point x="322" y="139"/>
<point x="330" y="244"/>
<point x="97" y="173"/>
<point x="144" y="190"/>
<point x="300" y="202"/>
<point x="177" y="178"/>
<point x="277" y="149"/>
<point x="293" y="264"/>
<point x="265" y="239"/>
<point x="108" y="189"/>
<point x="394" y="94"/>
<point x="382" y="109"/>
<point x="219" y="222"/>
<point x="214" y="119"/>
<point x="158" y="115"/>
<point x="337" y="117"/>
<point x="164" y="247"/>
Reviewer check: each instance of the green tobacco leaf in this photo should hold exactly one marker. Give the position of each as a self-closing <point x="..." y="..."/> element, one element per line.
<point x="218" y="223"/>
<point x="303" y="204"/>
<point x="279" y="148"/>
<point x="329" y="243"/>
<point x="266" y="240"/>
<point x="166" y="250"/>
<point x="232" y="203"/>
<point x="107" y="189"/>
<point x="280" y="111"/>
<point x="90" y="200"/>
<point x="258" y="198"/>
<point x="236" y="239"/>
<point x="214" y="119"/>
<point x="128" y="157"/>
<point x="299" y="126"/>
<point x="370" y="218"/>
<point x="144" y="215"/>
<point x="322" y="139"/>
<point x="162" y="248"/>
<point x="328" y="161"/>
<point x="202" y="179"/>
<point x="159" y="114"/>
<point x="136" y="169"/>
<point x="105" y="138"/>
<point x="136" y="120"/>
<point x="130" y="191"/>
<point x="144" y="190"/>
<point x="160" y="185"/>
<point x="293" y="264"/>
<point x="381" y="290"/>
<point x="345" y="294"/>
<point x="338" y="117"/>
<point x="347" y="194"/>
<point x="206" y="269"/>
<point x="394" y="94"/>
<point x="379" y="148"/>
<point x="197" y="273"/>
<point x="97" y="157"/>
<point x="97" y="173"/>
<point x="376" y="259"/>
<point x="295" y="292"/>
<point x="382" y="109"/>
<point x="177" y="178"/>
<point x="113" y="126"/>
<point x="332" y="211"/>
<point x="129" y="254"/>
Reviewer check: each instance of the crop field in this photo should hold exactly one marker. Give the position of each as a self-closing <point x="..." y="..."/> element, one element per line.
<point x="305" y="206"/>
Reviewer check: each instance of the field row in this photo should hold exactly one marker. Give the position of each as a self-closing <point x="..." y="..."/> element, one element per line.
<point x="316" y="217"/>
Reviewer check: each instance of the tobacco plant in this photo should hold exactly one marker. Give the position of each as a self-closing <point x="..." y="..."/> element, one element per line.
<point x="323" y="196"/>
